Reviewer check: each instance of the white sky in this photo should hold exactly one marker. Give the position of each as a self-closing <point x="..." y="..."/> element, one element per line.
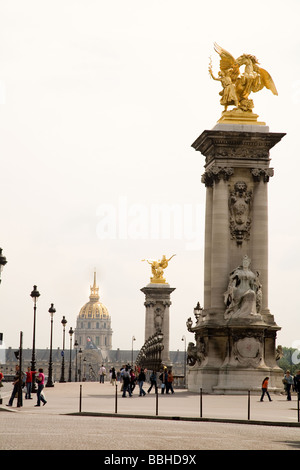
<point x="100" y="103"/>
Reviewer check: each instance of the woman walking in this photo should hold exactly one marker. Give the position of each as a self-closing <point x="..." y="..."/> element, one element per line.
<point x="264" y="388"/>
<point x="40" y="381"/>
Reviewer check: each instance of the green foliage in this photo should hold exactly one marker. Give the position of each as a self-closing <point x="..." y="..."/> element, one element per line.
<point x="290" y="360"/>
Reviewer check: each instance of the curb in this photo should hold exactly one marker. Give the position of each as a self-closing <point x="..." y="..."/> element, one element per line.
<point x="183" y="418"/>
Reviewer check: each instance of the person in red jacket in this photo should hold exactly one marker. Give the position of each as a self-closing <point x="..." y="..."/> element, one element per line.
<point x="264" y="388"/>
<point x="29" y="375"/>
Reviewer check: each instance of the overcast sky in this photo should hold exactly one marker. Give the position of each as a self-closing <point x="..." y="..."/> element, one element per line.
<point x="99" y="105"/>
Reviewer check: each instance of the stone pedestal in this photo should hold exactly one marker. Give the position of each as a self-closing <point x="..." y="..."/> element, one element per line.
<point x="157" y="303"/>
<point x="235" y="344"/>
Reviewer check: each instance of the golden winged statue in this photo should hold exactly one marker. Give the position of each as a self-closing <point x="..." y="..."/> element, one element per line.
<point x="157" y="268"/>
<point x="237" y="84"/>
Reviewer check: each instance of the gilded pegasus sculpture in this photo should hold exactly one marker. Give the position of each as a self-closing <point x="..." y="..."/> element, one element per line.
<point x="238" y="85"/>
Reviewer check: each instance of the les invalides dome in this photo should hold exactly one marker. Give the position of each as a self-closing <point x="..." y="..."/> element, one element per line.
<point x="93" y="327"/>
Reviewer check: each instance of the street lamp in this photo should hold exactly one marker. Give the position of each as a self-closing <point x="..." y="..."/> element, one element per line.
<point x="50" y="380"/>
<point x="70" y="365"/>
<point x="80" y="355"/>
<point x="198" y="311"/>
<point x="133" y="339"/>
<point x="3" y="262"/>
<point x="184" y="368"/>
<point x="75" y="347"/>
<point x="35" y="295"/>
<point x="62" y="377"/>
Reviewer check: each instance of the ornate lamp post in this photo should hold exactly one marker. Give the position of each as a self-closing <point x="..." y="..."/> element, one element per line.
<point x="35" y="295"/>
<point x="62" y="376"/>
<point x="3" y="262"/>
<point x="76" y="347"/>
<point x="71" y="331"/>
<point x="50" y="379"/>
<point x="198" y="311"/>
<point x="133" y="339"/>
<point x="184" y="367"/>
<point x="80" y="355"/>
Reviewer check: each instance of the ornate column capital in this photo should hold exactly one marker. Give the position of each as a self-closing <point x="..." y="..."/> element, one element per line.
<point x="215" y="173"/>
<point x="263" y="174"/>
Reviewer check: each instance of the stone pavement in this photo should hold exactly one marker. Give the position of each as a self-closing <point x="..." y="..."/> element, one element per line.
<point x="177" y="425"/>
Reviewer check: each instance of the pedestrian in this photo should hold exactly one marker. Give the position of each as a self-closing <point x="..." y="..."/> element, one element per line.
<point x="153" y="382"/>
<point x="113" y="376"/>
<point x="41" y="384"/>
<point x="1" y="378"/>
<point x="126" y="382"/>
<point x="141" y="380"/>
<point x="132" y="380"/>
<point x="170" y="380"/>
<point x="264" y="388"/>
<point x="288" y="381"/>
<point x="163" y="378"/>
<point x="28" y="383"/>
<point x="102" y="373"/>
<point x="17" y="376"/>
<point x="297" y="383"/>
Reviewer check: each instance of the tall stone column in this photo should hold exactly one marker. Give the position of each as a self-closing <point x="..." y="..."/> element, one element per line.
<point x="207" y="248"/>
<point x="259" y="238"/>
<point x="157" y="318"/>
<point x="216" y="237"/>
<point x="235" y="333"/>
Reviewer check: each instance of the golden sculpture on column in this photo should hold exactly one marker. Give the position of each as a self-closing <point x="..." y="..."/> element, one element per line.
<point x="238" y="85"/>
<point x="157" y="268"/>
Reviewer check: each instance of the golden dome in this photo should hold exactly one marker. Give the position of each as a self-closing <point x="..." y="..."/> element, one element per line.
<point x="94" y="308"/>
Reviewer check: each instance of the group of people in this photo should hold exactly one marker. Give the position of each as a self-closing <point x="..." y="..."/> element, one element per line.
<point x="290" y="384"/>
<point x="131" y="377"/>
<point x="26" y="382"/>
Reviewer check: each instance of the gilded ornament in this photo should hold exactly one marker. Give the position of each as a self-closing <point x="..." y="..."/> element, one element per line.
<point x="238" y="85"/>
<point x="157" y="268"/>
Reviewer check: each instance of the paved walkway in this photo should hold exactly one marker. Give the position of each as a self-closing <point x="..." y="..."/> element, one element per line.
<point x="173" y="422"/>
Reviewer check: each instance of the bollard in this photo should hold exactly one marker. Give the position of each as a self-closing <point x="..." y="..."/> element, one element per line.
<point x="80" y="398"/>
<point x="116" y="399"/>
<point x="200" y="402"/>
<point x="248" y="405"/>
<point x="156" y="401"/>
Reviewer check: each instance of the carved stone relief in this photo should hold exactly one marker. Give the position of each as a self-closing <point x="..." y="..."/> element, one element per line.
<point x="196" y="353"/>
<point x="158" y="319"/>
<point x="240" y="200"/>
<point x="248" y="349"/>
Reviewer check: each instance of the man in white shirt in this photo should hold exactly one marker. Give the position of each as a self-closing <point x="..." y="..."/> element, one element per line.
<point x="102" y="373"/>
